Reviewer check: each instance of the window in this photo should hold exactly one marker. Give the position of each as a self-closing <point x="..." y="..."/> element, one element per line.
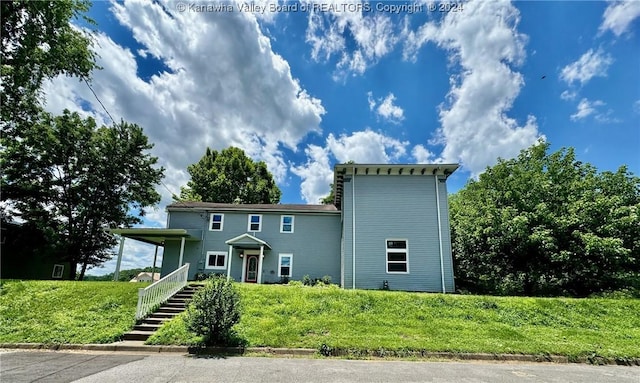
<point x="284" y="262"/>
<point x="255" y="222"/>
<point x="216" y="222"/>
<point x="286" y="223"/>
<point x="397" y="256"/>
<point x="58" y="270"/>
<point x="216" y="260"/>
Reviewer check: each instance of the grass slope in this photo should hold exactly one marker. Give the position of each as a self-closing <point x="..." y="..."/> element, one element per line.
<point x="296" y="316"/>
<point x="66" y="311"/>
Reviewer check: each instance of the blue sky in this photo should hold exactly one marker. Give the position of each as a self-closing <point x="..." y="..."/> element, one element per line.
<point x="306" y="89"/>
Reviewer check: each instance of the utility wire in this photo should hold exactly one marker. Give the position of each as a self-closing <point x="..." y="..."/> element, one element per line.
<point x="97" y="98"/>
<point x="114" y="122"/>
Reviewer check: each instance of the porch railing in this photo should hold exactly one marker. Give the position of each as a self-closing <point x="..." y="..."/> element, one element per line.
<point x="157" y="293"/>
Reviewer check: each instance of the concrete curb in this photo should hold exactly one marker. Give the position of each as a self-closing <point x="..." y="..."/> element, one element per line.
<point x="152" y="349"/>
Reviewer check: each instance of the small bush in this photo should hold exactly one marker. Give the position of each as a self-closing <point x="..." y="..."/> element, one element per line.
<point x="326" y="279"/>
<point x="213" y="312"/>
<point x="307" y="281"/>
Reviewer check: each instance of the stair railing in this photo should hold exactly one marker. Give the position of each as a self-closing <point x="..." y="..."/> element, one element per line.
<point x="157" y="293"/>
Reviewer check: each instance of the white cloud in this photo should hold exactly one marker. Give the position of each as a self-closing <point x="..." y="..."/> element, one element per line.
<point x="568" y="95"/>
<point x="589" y="65"/>
<point x="385" y="108"/>
<point x="218" y="89"/>
<point x="211" y="95"/>
<point x="361" y="147"/>
<point x="484" y="41"/>
<point x="316" y="174"/>
<point x="585" y="109"/>
<point x="343" y="24"/>
<point x="366" y="147"/>
<point x="619" y="15"/>
<point x="421" y="155"/>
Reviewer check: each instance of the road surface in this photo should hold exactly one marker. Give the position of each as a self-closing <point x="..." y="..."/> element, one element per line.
<point x="87" y="367"/>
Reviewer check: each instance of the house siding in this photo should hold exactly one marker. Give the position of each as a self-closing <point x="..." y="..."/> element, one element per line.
<point x="398" y="207"/>
<point x="315" y="243"/>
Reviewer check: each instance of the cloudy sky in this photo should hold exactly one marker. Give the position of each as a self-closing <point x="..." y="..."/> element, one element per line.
<point x="305" y="85"/>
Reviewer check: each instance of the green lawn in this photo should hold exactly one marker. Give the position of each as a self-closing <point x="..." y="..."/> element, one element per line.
<point x="355" y="321"/>
<point x="66" y="311"/>
<point x="297" y="316"/>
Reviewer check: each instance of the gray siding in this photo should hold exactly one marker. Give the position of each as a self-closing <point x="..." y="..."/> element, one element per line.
<point x="396" y="207"/>
<point x="315" y="243"/>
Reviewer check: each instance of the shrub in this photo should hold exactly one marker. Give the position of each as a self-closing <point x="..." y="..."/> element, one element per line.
<point x="214" y="310"/>
<point x="307" y="281"/>
<point x="326" y="279"/>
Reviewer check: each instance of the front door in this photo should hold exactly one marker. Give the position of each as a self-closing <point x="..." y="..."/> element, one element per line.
<point x="251" y="274"/>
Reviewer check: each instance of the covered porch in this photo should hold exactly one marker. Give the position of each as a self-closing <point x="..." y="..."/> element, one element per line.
<point x="154" y="236"/>
<point x="251" y="250"/>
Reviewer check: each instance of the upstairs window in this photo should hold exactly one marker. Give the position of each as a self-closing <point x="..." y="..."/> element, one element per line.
<point x="216" y="222"/>
<point x="216" y="260"/>
<point x="397" y="256"/>
<point x="284" y="265"/>
<point x="286" y="223"/>
<point x="255" y="222"/>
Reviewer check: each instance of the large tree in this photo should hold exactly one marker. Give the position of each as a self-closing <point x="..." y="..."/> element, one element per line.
<point x="546" y="224"/>
<point x="229" y="176"/>
<point x="38" y="42"/>
<point x="73" y="180"/>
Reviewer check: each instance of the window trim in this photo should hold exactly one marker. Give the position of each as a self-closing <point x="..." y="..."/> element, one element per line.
<point x="293" y="220"/>
<point x="392" y="250"/>
<point x="249" y="223"/>
<point x="211" y="222"/>
<point x="60" y="273"/>
<point x="283" y="255"/>
<point x="216" y="254"/>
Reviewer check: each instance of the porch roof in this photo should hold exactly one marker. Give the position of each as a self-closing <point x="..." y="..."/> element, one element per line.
<point x="156" y="236"/>
<point x="247" y="241"/>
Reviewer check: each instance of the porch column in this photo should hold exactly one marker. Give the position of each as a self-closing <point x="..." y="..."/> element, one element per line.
<point x="155" y="258"/>
<point x="116" y="274"/>
<point x="229" y="259"/>
<point x="181" y="253"/>
<point x="260" y="264"/>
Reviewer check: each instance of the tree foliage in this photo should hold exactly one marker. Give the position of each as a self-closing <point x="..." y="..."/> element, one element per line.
<point x="214" y="310"/>
<point x="546" y="224"/>
<point x="73" y="180"/>
<point x="38" y="43"/>
<point x="328" y="200"/>
<point x="229" y="176"/>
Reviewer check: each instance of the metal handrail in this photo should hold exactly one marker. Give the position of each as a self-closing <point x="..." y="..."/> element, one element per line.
<point x="157" y="293"/>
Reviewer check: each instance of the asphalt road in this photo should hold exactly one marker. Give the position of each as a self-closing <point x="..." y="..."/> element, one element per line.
<point x="49" y="366"/>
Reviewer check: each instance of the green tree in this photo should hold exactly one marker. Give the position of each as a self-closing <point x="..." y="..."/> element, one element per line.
<point x="546" y="224"/>
<point x="229" y="176"/>
<point x="73" y="180"/>
<point x="38" y="42"/>
<point x="328" y="200"/>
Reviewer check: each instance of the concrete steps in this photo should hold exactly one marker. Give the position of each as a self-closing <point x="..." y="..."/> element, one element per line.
<point x="172" y="307"/>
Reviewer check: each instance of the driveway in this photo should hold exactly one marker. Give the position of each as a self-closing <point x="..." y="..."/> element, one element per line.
<point x="50" y="366"/>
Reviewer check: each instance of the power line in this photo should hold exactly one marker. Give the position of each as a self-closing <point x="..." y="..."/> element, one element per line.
<point x="97" y="98"/>
<point x="114" y="122"/>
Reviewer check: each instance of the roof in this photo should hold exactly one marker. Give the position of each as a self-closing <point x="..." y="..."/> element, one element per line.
<point x="247" y="240"/>
<point x="340" y="170"/>
<point x="288" y="208"/>
<point x="155" y="277"/>
<point x="156" y="236"/>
